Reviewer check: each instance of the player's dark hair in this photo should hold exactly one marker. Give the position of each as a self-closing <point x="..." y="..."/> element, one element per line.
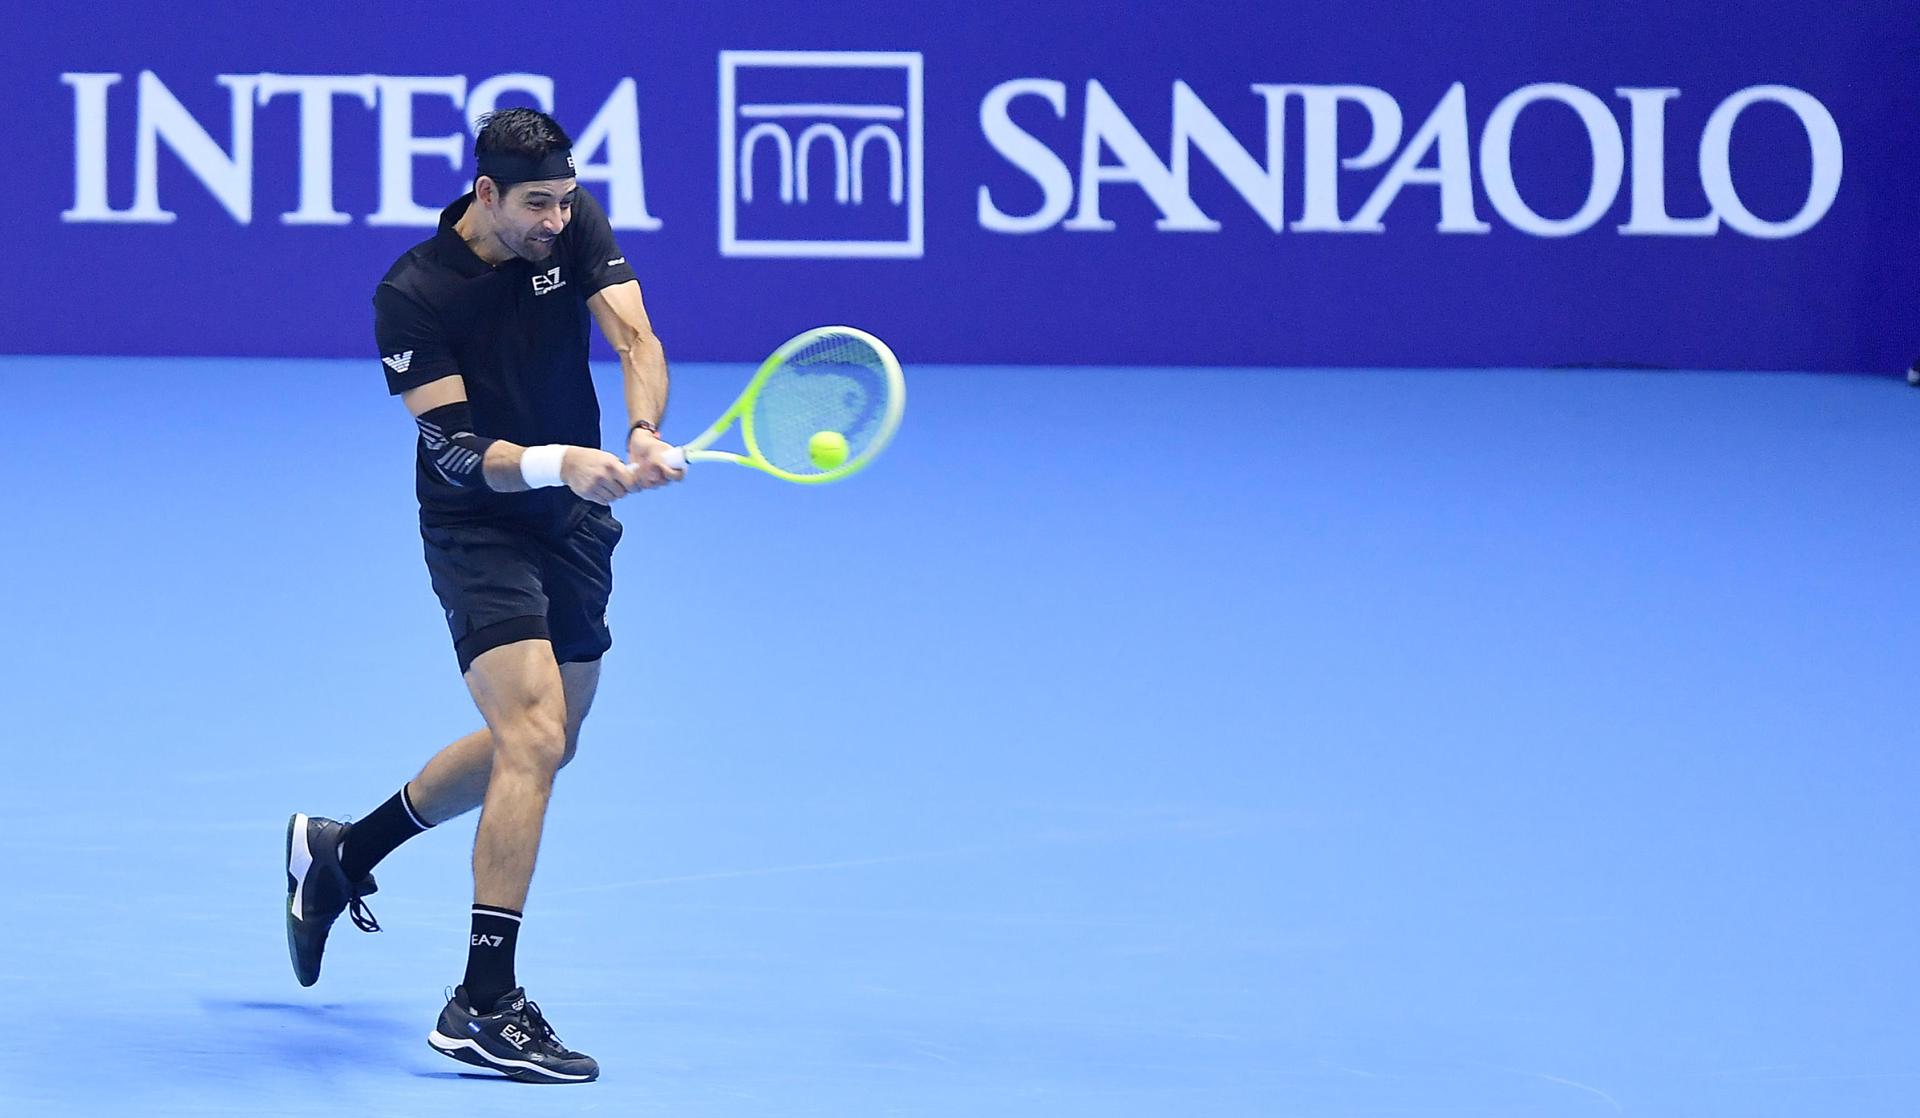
<point x="528" y="133"/>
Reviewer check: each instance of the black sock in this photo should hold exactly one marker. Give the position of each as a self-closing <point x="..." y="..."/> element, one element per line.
<point x="496" y="932"/>
<point x="379" y="834"/>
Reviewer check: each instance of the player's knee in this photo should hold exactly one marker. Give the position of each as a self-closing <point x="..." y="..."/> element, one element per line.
<point x="530" y="751"/>
<point x="534" y="736"/>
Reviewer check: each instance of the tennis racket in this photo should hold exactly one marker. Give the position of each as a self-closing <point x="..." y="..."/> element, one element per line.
<point x="820" y="408"/>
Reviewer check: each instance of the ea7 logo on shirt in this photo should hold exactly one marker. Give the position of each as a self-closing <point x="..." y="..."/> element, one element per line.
<point x="399" y="361"/>
<point x="548" y="283"/>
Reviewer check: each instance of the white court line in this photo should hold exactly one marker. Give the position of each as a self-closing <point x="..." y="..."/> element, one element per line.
<point x="1044" y="838"/>
<point x="760" y="871"/>
<point x="1610" y="1100"/>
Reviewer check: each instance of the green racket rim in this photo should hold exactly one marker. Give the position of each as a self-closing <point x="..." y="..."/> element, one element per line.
<point x="889" y="421"/>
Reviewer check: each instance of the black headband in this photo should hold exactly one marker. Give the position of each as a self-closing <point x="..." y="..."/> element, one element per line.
<point x="506" y="169"/>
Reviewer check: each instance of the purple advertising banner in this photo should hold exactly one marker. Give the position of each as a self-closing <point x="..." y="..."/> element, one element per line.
<point x="1687" y="184"/>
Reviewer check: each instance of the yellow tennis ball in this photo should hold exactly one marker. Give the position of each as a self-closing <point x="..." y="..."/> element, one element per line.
<point x="828" y="449"/>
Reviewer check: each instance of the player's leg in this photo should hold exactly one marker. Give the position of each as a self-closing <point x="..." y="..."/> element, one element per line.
<point x="330" y="864"/>
<point x="576" y="577"/>
<point x="489" y="1022"/>
<point x="451" y="784"/>
<point x="487" y="578"/>
<point x="518" y="690"/>
<point x="455" y="780"/>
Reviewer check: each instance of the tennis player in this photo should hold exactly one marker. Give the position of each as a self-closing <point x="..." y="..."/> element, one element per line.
<point x="483" y="335"/>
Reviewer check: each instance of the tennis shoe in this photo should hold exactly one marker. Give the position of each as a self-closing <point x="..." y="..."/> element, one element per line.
<point x="318" y="891"/>
<point x="511" y="1037"/>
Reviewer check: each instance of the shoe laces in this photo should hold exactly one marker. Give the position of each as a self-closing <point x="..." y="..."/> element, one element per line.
<point x="539" y="1022"/>
<point x="357" y="910"/>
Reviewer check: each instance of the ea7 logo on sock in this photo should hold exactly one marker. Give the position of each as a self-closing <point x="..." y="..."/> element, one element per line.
<point x="483" y="940"/>
<point x="548" y="283"/>
<point x="516" y="1036"/>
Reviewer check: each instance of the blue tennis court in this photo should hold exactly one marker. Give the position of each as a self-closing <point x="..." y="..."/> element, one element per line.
<point x="1125" y="743"/>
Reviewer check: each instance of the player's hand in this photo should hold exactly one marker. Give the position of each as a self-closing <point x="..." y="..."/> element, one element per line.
<point x="596" y="475"/>
<point x="648" y="454"/>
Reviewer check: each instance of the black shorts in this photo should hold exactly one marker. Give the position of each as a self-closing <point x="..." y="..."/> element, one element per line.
<point x="501" y="582"/>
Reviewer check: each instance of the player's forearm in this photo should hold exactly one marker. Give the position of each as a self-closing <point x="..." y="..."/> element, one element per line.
<point x="643" y="368"/>
<point x="502" y="468"/>
<point x="588" y="471"/>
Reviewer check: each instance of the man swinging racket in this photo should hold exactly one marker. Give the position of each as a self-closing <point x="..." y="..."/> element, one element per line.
<point x="483" y="333"/>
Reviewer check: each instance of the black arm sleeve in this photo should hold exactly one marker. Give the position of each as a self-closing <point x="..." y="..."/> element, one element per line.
<point x="450" y="449"/>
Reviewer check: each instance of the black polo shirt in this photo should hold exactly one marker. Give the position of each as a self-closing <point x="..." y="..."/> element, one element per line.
<point x="516" y="333"/>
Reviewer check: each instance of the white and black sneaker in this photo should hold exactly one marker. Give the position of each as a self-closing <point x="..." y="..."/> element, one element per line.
<point x="318" y="892"/>
<point x="513" y="1038"/>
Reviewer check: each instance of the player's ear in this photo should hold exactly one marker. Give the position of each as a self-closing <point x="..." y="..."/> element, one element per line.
<point x="486" y="191"/>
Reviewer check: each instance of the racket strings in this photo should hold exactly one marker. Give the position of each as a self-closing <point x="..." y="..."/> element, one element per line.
<point x="836" y="383"/>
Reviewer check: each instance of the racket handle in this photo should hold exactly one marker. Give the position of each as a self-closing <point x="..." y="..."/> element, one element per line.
<point x="676" y="457"/>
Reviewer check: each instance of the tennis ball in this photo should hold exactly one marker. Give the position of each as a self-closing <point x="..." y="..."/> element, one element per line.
<point x="828" y="449"/>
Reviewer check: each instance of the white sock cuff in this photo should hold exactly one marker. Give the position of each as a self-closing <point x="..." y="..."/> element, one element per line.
<point x="406" y="801"/>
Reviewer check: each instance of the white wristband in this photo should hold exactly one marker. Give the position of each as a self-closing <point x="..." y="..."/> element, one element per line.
<point x="540" y="465"/>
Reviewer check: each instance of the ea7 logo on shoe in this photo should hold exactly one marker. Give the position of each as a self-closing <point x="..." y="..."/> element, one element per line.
<point x="399" y="361"/>
<point x="516" y="1036"/>
<point x="483" y="940"/>
<point x="548" y="283"/>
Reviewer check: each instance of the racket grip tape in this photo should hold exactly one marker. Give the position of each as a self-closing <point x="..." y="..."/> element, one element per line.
<point x="676" y="457"/>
